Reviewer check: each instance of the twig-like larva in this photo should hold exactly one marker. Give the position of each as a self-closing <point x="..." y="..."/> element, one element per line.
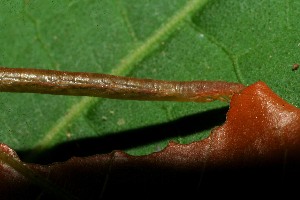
<point x="115" y="87"/>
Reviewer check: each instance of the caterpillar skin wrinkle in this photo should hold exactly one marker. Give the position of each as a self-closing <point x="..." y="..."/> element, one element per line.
<point x="25" y="80"/>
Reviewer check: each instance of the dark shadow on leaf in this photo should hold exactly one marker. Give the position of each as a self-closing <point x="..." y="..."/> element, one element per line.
<point x="133" y="138"/>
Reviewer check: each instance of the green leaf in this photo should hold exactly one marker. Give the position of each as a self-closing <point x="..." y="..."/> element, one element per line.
<point x="226" y="40"/>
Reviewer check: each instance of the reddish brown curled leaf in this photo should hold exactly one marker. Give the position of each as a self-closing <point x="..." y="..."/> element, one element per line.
<point x="262" y="131"/>
<point x="260" y="126"/>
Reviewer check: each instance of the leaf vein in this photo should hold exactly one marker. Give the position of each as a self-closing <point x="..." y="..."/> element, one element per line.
<point x="126" y="65"/>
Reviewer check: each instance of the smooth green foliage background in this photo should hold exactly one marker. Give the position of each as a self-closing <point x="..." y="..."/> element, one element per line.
<point x="230" y="40"/>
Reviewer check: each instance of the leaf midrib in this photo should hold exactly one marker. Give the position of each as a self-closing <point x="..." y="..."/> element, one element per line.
<point x="126" y="65"/>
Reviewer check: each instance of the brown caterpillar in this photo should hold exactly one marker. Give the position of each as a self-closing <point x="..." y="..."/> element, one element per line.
<point x="116" y="87"/>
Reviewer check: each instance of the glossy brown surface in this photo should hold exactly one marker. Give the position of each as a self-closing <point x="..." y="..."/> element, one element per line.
<point x="109" y="86"/>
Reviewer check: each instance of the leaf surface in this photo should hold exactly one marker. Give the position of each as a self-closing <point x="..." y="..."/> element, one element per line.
<point x="233" y="41"/>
